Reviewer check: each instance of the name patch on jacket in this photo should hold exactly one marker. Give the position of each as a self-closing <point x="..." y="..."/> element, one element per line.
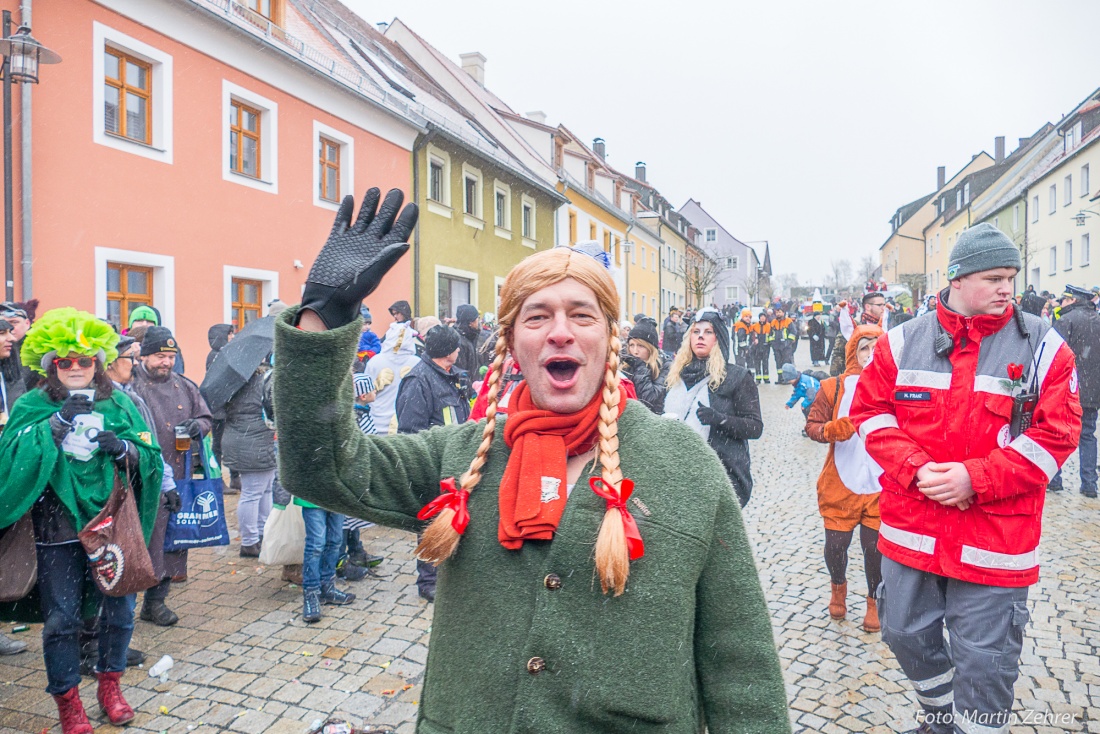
<point x="911" y="396"/>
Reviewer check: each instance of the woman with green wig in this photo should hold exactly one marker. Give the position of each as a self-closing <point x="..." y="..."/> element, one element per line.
<point x="59" y="455"/>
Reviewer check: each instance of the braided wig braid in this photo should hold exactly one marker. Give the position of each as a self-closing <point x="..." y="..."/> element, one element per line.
<point x="524" y="280"/>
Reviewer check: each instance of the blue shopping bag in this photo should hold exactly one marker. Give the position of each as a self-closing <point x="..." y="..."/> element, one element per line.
<point x="200" y="523"/>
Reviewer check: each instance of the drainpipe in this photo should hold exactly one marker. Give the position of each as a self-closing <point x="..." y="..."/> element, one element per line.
<point x="25" y="190"/>
<point x="626" y="266"/>
<point x="417" y="147"/>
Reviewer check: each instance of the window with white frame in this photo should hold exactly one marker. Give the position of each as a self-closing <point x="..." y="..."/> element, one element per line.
<point x="1067" y="198"/>
<point x="334" y="169"/>
<point x="733" y="293"/>
<point x="132" y="95"/>
<point x="712" y="235"/>
<point x="1053" y="198"/>
<point x="527" y="217"/>
<point x="127" y="278"/>
<point x="1085" y="180"/>
<point x="1084" y="250"/>
<point x="1053" y="260"/>
<point x="1069" y="255"/>
<point x="966" y="193"/>
<point x="731" y="263"/>
<point x="502" y="206"/>
<point x="471" y="192"/>
<point x="250" y="138"/>
<point x="1035" y="208"/>
<point x="246" y="293"/>
<point x="958" y="199"/>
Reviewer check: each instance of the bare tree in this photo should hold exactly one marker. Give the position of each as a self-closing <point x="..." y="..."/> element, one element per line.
<point x="841" y="274"/>
<point x="786" y="283"/>
<point x="700" y="275"/>
<point x="867" y="267"/>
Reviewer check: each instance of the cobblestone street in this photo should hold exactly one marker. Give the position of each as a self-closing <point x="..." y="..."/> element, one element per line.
<point x="245" y="662"/>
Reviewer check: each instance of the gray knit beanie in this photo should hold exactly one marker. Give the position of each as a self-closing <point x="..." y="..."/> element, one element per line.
<point x="982" y="247"/>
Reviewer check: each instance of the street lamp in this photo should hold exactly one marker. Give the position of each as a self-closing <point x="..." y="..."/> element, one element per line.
<point x="1082" y="215"/>
<point x="22" y="55"/>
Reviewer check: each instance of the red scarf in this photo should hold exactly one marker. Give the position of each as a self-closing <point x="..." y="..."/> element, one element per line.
<point x="541" y="442"/>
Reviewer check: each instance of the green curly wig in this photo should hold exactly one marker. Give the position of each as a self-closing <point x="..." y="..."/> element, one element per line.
<point x="62" y="331"/>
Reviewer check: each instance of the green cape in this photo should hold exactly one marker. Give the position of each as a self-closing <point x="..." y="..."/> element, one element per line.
<point x="30" y="461"/>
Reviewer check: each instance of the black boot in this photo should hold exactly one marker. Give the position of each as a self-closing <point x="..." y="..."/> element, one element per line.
<point x="153" y="608"/>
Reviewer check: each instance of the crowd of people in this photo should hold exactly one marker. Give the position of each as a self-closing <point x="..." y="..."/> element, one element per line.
<point x="944" y="428"/>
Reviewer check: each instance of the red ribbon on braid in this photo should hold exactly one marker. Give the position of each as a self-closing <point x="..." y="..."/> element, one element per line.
<point x="452" y="497"/>
<point x="617" y="501"/>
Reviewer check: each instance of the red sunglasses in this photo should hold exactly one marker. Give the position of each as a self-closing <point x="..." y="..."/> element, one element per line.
<point x="65" y="363"/>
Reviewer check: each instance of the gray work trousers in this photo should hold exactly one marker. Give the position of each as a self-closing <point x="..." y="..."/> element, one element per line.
<point x="967" y="687"/>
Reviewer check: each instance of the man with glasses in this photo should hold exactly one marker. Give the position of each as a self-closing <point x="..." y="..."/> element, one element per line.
<point x="874" y="306"/>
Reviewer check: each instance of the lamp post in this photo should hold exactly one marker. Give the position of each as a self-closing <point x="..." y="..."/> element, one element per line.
<point x="22" y="55"/>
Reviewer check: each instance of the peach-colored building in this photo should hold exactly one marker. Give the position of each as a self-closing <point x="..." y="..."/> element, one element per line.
<point x="189" y="154"/>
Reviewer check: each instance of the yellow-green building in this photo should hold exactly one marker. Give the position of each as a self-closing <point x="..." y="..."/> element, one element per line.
<point x="480" y="214"/>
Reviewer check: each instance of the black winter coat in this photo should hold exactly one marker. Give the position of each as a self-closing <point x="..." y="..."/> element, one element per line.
<point x="651" y="391"/>
<point x="1080" y="327"/>
<point x="429" y="397"/>
<point x="673" y="336"/>
<point x="737" y="403"/>
<point x="248" y="445"/>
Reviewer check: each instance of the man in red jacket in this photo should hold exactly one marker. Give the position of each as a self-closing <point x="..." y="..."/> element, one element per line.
<point x="970" y="411"/>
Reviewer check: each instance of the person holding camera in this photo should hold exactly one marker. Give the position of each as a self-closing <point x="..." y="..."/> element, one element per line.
<point x="59" y="456"/>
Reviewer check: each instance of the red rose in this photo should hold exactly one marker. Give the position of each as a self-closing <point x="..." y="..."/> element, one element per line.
<point x="1015" y="371"/>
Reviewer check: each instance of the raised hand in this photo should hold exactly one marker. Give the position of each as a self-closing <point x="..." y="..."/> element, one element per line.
<point x="357" y="256"/>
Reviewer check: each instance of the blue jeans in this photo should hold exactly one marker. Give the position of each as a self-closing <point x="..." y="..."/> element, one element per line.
<point x="62" y="573"/>
<point x="1088" y="451"/>
<point x="324" y="543"/>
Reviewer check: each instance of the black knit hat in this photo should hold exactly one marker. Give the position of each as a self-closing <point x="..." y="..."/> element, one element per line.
<point x="466" y="313"/>
<point x="158" y="339"/>
<point x="646" y="330"/>
<point x="403" y="308"/>
<point x="715" y="320"/>
<point x="440" y="341"/>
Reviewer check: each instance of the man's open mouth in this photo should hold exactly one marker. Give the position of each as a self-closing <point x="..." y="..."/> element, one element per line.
<point x="562" y="371"/>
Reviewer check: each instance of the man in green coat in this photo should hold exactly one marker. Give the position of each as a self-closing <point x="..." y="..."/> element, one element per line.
<point x="590" y="580"/>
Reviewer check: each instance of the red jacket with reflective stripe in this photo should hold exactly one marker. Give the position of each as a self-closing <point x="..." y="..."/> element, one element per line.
<point x="912" y="407"/>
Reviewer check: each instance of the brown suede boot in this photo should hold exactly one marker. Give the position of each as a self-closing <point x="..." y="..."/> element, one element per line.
<point x="838" y="602"/>
<point x="871" y="622"/>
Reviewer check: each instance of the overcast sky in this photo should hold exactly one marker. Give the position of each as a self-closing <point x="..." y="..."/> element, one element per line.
<point x="805" y="123"/>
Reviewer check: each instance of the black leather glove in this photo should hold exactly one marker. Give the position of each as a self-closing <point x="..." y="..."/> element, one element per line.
<point x="708" y="416"/>
<point x="356" y="256"/>
<point x="172" y="501"/>
<point x="194" y="428"/>
<point x="73" y="406"/>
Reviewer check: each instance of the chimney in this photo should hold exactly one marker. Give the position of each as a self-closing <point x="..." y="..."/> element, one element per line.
<point x="382" y="27"/>
<point x="1024" y="141"/>
<point x="537" y="116"/>
<point x="639" y="171"/>
<point x="941" y="177"/>
<point x="474" y="65"/>
<point x="999" y="149"/>
<point x="599" y="147"/>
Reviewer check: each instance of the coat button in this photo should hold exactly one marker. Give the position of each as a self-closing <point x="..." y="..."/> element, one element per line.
<point x="536" y="665"/>
<point x="552" y="581"/>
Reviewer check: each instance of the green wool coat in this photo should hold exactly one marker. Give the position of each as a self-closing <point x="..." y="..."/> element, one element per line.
<point x="688" y="645"/>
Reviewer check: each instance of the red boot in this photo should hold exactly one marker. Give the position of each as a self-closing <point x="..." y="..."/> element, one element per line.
<point x="111" y="700"/>
<point x="71" y="712"/>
